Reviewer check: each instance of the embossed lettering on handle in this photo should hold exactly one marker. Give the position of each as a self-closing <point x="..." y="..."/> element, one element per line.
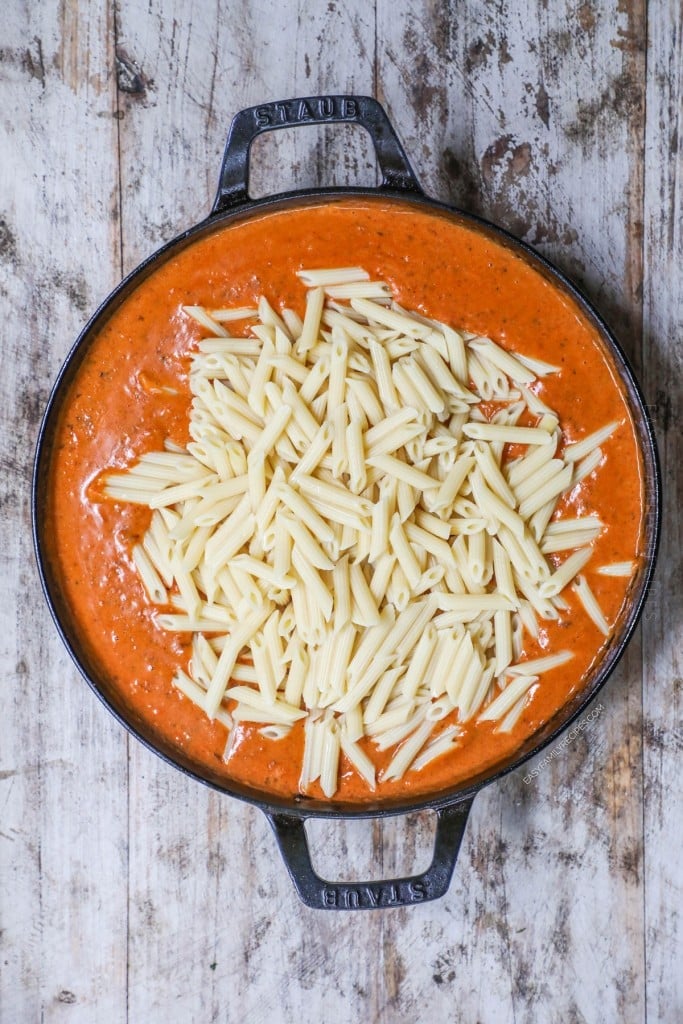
<point x="316" y="109"/>
<point x="233" y="186"/>
<point x="321" y="894"/>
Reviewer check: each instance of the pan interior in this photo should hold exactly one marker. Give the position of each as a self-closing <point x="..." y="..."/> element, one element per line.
<point x="86" y="657"/>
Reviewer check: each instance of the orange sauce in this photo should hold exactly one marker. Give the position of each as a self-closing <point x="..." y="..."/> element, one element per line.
<point x="435" y="264"/>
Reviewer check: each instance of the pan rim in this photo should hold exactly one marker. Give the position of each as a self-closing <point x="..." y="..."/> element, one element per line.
<point x="301" y="806"/>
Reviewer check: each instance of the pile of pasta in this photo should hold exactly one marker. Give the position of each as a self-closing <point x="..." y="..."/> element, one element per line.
<point x="346" y="537"/>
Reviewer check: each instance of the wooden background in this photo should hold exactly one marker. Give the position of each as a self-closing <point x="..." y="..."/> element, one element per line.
<point x="132" y="894"/>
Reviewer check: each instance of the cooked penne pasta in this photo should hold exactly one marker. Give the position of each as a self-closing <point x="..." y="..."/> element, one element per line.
<point x="565" y="573"/>
<point x="346" y="517"/>
<point x="515" y="689"/>
<point x="551" y="488"/>
<point x="204" y="318"/>
<point x="359" y="290"/>
<point x="403" y="550"/>
<point x="378" y="314"/>
<point x="356" y="456"/>
<point x="335" y="276"/>
<point x="393" y="467"/>
<point x="358" y="758"/>
<point x="587" y="466"/>
<point x="538" y="665"/>
<point x="575" y="452"/>
<point x="156" y="591"/>
<point x="507" y="434"/>
<point x="617" y="569"/>
<point x="407" y="752"/>
<point x="505" y="361"/>
<point x="444" y="743"/>
<point x="362" y="595"/>
<point x="385" y="385"/>
<point x="590" y="603"/>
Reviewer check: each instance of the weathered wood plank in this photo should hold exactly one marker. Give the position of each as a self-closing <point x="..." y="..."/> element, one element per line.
<point x="663" y="621"/>
<point x="531" y="117"/>
<point x="63" y="761"/>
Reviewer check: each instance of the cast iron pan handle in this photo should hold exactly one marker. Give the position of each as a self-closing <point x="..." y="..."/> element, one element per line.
<point x="233" y="184"/>
<point x="316" y="892"/>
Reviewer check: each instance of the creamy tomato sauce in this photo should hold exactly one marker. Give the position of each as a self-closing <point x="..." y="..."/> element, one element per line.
<point x="115" y="412"/>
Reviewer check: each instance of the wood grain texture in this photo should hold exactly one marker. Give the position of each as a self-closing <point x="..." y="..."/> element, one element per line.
<point x="516" y="134"/>
<point x="663" y="619"/>
<point x="130" y="893"/>
<point x="63" y="773"/>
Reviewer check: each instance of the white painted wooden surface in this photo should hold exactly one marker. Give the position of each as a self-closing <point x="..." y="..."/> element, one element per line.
<point x="129" y="893"/>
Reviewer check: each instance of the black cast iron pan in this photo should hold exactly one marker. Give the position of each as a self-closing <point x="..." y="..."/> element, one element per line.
<point x="287" y="816"/>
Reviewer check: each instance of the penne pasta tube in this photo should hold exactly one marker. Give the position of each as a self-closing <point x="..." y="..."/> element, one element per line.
<point x="362" y="595"/>
<point x="431" y="394"/>
<point x="315" y="299"/>
<point x="383" y="569"/>
<point x="590" y="604"/>
<point x="305" y="512"/>
<point x="493" y="506"/>
<point x="617" y="569"/>
<point x="335" y="494"/>
<point x="385" y="383"/>
<point x="356" y="456"/>
<point x="329" y="767"/>
<point x="203" y="317"/>
<point x="407" y="752"/>
<point x="189" y="688"/>
<point x="368" y="399"/>
<point x="388" y="317"/>
<point x="505" y="361"/>
<point x="306" y="542"/>
<point x="587" y="466"/>
<point x="358" y="758"/>
<point x="401" y="471"/>
<point x="401" y="547"/>
<point x="536" y="480"/>
<point x="337" y="276"/>
<point x="343" y="641"/>
<point x="387" y="740"/>
<point x="239" y="638"/>
<point x="555" y="485"/>
<point x="589" y="524"/>
<point x="540" y="368"/>
<point x="515" y="689"/>
<point x="419" y="661"/>
<point x="342" y="592"/>
<point x="565" y="573"/>
<point x="566" y="541"/>
<point x="338" y="360"/>
<point x="154" y="587"/>
<point x="380" y="697"/>
<point x="480" y="694"/>
<point x="381" y="516"/>
<point x="442" y="744"/>
<point x="409" y="626"/>
<point x="298" y="667"/>
<point x="503" y="640"/>
<point x="539" y="665"/>
<point x="575" y="452"/>
<point x="313" y="581"/>
<point x="352" y="724"/>
<point x="359" y="290"/>
<point x="507" y="434"/>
